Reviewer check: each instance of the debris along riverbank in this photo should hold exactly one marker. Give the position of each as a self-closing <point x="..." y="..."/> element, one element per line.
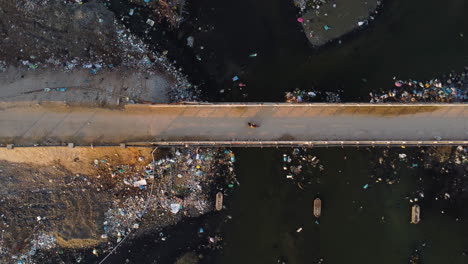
<point x="93" y="198"/>
<point x="59" y="45"/>
<point x="303" y="96"/>
<point x="450" y="88"/>
<point x="325" y="20"/>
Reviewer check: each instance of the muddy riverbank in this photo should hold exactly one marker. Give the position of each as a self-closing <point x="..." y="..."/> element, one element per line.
<point x="77" y="37"/>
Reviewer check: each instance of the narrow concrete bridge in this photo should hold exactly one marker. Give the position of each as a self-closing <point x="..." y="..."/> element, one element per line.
<point x="226" y="124"/>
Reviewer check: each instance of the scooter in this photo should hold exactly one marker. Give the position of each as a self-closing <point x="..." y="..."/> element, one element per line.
<point x="252" y="125"/>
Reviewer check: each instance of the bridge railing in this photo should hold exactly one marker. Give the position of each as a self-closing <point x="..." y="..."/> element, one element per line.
<point x="300" y="143"/>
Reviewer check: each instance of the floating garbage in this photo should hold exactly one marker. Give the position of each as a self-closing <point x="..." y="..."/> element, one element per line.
<point x="365" y="186"/>
<point x="305" y="96"/>
<point x="190" y="41"/>
<point x="150" y="22"/>
<point x="235" y="78"/>
<point x="454" y="88"/>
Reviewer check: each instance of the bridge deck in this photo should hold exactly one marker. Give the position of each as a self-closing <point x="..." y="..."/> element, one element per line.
<point x="283" y="123"/>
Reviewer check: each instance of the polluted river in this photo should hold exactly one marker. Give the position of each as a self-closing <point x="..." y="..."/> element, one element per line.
<point x="269" y="218"/>
<point x="257" y="51"/>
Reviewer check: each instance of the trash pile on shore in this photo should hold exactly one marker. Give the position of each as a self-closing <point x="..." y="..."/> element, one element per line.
<point x="183" y="184"/>
<point x="108" y="45"/>
<point x="41" y="241"/>
<point x="303" y="96"/>
<point x="299" y="165"/>
<point x="73" y="213"/>
<point x="138" y="55"/>
<point x="452" y="88"/>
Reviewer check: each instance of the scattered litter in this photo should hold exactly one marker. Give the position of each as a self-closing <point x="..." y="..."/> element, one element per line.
<point x="299" y="230"/>
<point x="140" y="183"/>
<point x="150" y="22"/>
<point x="454" y="88"/>
<point x="365" y="186"/>
<point x="190" y="41"/>
<point x="235" y="78"/>
<point x="175" y="208"/>
<point x="304" y="96"/>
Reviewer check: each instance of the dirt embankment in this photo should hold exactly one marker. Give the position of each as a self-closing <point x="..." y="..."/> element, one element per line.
<point x="56" y="191"/>
<point x="58" y="198"/>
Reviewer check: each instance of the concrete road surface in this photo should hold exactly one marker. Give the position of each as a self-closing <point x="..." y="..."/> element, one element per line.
<point x="27" y="124"/>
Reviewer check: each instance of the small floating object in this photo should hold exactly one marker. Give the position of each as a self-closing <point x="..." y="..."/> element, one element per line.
<point x="235" y="78"/>
<point x="317" y="207"/>
<point x="365" y="186"/>
<point x="300" y="20"/>
<point x="219" y="201"/>
<point x="415" y="214"/>
<point x="326" y="27"/>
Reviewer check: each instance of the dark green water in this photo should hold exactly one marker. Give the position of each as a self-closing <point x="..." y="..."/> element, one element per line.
<point x="417" y="39"/>
<point x="267" y="209"/>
